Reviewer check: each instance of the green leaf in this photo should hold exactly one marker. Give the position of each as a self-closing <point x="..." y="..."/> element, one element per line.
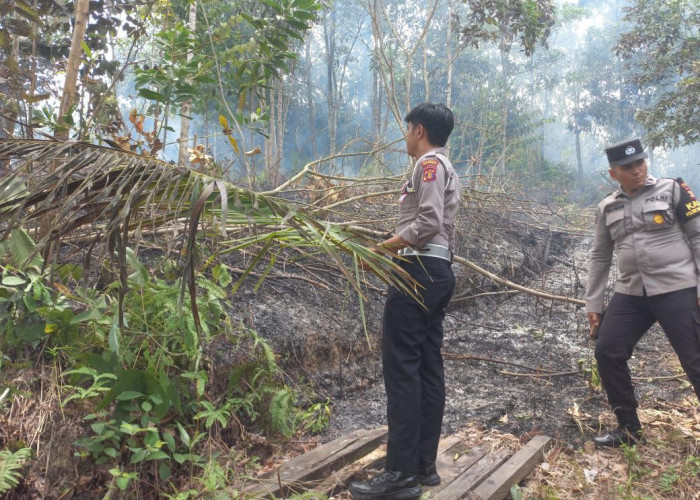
<point x="21" y="248"/>
<point x="129" y="395"/>
<point x="91" y="314"/>
<point x="169" y="440"/>
<point x="184" y="437"/>
<point x="87" y="50"/>
<point x="98" y="427"/>
<point x="113" y="337"/>
<point x="164" y="471"/>
<point x="138" y="456"/>
<point x="152" y="95"/>
<point x="13" y="280"/>
<point x="156" y="455"/>
<point x="10" y="465"/>
<point x="123" y="482"/>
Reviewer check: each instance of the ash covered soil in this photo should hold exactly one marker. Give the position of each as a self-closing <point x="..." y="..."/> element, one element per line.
<point x="498" y="344"/>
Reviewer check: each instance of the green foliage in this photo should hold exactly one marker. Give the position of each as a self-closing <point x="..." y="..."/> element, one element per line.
<point x="661" y="52"/>
<point x="254" y="43"/>
<point x="282" y="411"/>
<point x="31" y="311"/>
<point x="175" y="78"/>
<point x="669" y="479"/>
<point x="10" y="464"/>
<point x="317" y="417"/>
<point x="149" y="400"/>
<point x="589" y="369"/>
<point x="501" y="22"/>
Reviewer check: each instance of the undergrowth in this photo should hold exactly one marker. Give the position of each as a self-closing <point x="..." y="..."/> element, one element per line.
<point x="148" y="392"/>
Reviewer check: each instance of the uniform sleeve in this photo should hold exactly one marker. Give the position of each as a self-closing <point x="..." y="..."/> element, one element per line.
<point x="688" y="212"/>
<point x="599" y="265"/>
<point x="429" y="181"/>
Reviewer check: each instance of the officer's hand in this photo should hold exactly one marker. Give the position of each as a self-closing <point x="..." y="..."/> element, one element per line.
<point x="594" y="323"/>
<point x="698" y="301"/>
<point x="364" y="265"/>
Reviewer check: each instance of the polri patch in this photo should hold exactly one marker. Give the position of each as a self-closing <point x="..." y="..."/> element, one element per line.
<point x="689" y="206"/>
<point x="430" y="166"/>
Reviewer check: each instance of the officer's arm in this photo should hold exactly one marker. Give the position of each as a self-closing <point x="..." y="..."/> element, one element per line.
<point x="599" y="266"/>
<point x="688" y="212"/>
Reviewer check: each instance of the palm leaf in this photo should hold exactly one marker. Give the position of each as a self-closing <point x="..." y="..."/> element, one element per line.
<point x="60" y="190"/>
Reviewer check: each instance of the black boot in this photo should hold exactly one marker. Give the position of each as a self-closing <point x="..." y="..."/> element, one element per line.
<point x="621" y="435"/>
<point x="628" y="432"/>
<point x="428" y="476"/>
<point x="393" y="485"/>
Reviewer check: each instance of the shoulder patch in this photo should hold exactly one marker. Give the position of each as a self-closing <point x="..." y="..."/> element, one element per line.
<point x="688" y="206"/>
<point x="429" y="166"/>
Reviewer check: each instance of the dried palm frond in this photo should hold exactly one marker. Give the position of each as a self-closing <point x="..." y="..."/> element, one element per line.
<point x="68" y="189"/>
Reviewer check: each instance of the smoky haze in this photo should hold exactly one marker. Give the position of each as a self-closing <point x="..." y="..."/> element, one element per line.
<point x="520" y="118"/>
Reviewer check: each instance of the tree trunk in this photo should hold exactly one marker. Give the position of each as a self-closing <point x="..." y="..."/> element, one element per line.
<point x="310" y="97"/>
<point x="82" y="13"/>
<point x="448" y="48"/>
<point x="329" y="40"/>
<point x="187" y="105"/>
<point x="577" y="134"/>
<point x="274" y="142"/>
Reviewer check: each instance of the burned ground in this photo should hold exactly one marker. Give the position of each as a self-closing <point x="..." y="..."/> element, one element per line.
<point x="514" y="362"/>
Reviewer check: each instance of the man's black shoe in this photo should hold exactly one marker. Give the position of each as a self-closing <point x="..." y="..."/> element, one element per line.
<point x="428" y="476"/>
<point x="389" y="484"/>
<point x="618" y="437"/>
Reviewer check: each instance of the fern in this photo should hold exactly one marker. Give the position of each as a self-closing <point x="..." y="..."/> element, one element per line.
<point x="270" y="361"/>
<point x="10" y="464"/>
<point x="282" y="412"/>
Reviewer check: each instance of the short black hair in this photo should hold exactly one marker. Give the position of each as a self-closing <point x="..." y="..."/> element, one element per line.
<point x="437" y="120"/>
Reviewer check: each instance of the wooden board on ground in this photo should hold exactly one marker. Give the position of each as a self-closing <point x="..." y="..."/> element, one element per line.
<point x="461" y="485"/>
<point x="315" y="464"/>
<point x="468" y="472"/>
<point x="497" y="485"/>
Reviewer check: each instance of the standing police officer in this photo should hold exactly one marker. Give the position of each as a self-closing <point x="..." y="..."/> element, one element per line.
<point x="654" y="226"/>
<point x="412" y="331"/>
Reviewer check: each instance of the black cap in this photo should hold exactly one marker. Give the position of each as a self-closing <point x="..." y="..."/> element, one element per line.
<point x="625" y="152"/>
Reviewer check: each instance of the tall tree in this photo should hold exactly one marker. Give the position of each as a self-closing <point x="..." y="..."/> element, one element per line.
<point x="68" y="99"/>
<point x="186" y="108"/>
<point x="505" y="22"/>
<point x="662" y="51"/>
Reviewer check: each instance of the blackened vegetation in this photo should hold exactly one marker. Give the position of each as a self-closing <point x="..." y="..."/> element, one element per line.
<point x="513" y="361"/>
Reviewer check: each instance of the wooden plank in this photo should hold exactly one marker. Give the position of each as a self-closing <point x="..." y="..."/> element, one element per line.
<point x="315" y="464"/>
<point x="375" y="460"/>
<point x="450" y="467"/>
<point x="498" y="484"/>
<point x="340" y="479"/>
<point x="473" y="476"/>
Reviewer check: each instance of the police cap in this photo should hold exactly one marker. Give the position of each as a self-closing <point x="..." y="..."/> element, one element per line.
<point x="625" y="152"/>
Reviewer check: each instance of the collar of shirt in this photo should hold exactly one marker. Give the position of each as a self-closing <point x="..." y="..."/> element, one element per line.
<point x="433" y="152"/>
<point x="651" y="180"/>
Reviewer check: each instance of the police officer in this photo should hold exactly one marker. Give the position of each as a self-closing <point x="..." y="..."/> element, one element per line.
<point x="654" y="226"/>
<point x="412" y="331"/>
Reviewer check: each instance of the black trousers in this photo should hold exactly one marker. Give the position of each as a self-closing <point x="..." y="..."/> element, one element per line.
<point x="627" y="319"/>
<point x="412" y="363"/>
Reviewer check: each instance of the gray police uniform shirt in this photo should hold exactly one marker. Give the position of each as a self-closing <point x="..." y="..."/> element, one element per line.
<point x="656" y="235"/>
<point x="429" y="201"/>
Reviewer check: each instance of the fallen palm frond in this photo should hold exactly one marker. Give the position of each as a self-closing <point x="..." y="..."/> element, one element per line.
<point x="60" y="189"/>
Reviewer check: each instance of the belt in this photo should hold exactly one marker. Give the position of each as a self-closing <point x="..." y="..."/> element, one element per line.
<point x="429" y="250"/>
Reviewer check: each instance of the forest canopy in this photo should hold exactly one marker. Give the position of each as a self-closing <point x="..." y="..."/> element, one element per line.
<point x="538" y="87"/>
